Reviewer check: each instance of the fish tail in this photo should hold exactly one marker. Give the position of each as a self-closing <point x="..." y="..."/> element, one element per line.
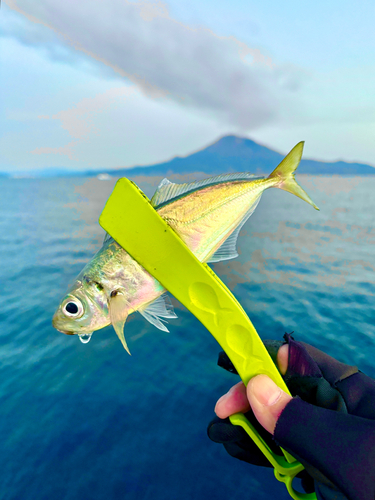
<point x="284" y="174"/>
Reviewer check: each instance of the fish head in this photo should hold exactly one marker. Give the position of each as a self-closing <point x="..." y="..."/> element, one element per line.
<point x="82" y="311"/>
<point x="89" y="306"/>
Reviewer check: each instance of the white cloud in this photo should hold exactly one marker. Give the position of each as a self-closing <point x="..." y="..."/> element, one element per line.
<point x="118" y="127"/>
<point x="79" y="120"/>
<point x="220" y="76"/>
<point x="66" y="150"/>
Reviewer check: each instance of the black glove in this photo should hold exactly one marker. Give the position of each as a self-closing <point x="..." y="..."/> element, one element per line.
<point x="329" y="426"/>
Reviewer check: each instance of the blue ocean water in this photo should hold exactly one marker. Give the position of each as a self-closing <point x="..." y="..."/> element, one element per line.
<point x="88" y="421"/>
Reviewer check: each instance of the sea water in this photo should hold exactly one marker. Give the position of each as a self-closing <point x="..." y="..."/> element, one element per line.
<point x="87" y="421"/>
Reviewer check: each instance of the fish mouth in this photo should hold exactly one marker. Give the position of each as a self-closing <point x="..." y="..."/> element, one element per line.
<point x="65" y="331"/>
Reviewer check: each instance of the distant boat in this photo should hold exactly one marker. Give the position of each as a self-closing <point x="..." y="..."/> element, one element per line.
<point x="104" y="177"/>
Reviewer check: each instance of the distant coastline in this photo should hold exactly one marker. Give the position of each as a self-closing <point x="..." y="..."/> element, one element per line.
<point x="228" y="154"/>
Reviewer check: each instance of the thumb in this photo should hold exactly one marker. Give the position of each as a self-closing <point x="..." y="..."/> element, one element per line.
<point x="267" y="401"/>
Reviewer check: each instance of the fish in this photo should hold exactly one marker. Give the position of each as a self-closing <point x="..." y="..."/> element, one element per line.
<point x="207" y="215"/>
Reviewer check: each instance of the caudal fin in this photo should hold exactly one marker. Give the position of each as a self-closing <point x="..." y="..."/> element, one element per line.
<point x="284" y="172"/>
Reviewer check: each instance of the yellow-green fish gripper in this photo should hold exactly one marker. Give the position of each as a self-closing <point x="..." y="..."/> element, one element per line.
<point x="130" y="219"/>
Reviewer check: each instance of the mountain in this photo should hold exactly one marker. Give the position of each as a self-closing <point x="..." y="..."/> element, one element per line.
<point x="228" y="154"/>
<point x="237" y="154"/>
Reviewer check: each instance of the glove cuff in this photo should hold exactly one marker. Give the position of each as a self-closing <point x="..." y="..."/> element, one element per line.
<point x="338" y="446"/>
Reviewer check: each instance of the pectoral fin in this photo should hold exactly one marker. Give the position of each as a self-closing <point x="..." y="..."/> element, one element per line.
<point x="228" y="250"/>
<point x="118" y="312"/>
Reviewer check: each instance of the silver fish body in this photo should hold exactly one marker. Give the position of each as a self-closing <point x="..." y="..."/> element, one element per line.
<point x="207" y="215"/>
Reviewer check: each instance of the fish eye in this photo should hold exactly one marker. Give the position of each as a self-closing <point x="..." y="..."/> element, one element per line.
<point x="73" y="309"/>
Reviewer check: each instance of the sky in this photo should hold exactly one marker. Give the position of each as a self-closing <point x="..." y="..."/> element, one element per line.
<point x="101" y="84"/>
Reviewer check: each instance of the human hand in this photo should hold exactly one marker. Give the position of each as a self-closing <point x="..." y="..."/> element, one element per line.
<point x="328" y="426"/>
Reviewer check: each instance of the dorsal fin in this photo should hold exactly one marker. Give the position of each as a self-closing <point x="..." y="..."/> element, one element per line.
<point x="107" y="237"/>
<point x="167" y="191"/>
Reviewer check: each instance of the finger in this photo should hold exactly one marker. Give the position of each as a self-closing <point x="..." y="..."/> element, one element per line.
<point x="282" y="358"/>
<point x="267" y="401"/>
<point x="236" y="399"/>
<point x="233" y="401"/>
